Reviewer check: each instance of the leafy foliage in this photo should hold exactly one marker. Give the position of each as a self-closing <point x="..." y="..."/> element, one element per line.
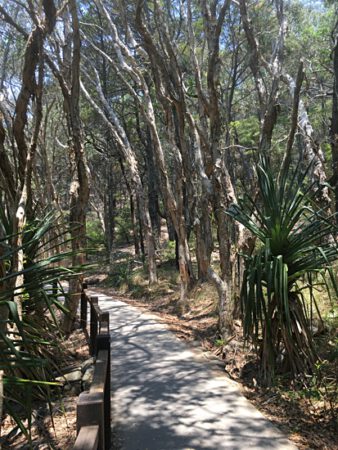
<point x="29" y="343"/>
<point x="295" y="251"/>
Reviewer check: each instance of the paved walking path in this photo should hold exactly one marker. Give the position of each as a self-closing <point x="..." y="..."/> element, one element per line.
<point x="165" y="397"/>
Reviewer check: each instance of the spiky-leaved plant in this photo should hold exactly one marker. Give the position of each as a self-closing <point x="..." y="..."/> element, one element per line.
<point x="28" y="341"/>
<point x="295" y="249"/>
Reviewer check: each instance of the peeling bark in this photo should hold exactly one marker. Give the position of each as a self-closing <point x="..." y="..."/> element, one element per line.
<point x="30" y="87"/>
<point x="80" y="186"/>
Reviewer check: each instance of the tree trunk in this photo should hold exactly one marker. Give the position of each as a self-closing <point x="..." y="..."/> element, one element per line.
<point x="141" y="234"/>
<point x="153" y="193"/>
<point x="31" y="87"/>
<point x="334" y="125"/>
<point x="110" y="210"/>
<point x="134" y="224"/>
<point x="204" y="243"/>
<point x="4" y="312"/>
<point x="79" y="189"/>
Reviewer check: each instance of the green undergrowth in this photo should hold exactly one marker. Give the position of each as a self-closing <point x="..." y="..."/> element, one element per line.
<point x="130" y="277"/>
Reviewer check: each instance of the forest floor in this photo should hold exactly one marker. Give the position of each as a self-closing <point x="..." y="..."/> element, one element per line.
<point x="307" y="414"/>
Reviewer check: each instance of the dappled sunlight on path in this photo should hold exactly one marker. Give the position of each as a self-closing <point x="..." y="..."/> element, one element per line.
<point x="166" y="398"/>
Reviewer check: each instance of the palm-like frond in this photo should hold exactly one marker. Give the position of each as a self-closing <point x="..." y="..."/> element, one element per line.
<point x="296" y="238"/>
<point x="27" y="342"/>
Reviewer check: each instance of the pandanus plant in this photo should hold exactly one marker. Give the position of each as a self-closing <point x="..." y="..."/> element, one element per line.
<point x="295" y="250"/>
<point x="28" y="339"/>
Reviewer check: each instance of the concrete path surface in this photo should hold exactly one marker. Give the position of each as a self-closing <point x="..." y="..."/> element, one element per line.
<point x="165" y="397"/>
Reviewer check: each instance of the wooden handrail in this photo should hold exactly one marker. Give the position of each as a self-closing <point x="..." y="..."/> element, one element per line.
<point x="99" y="377"/>
<point x="88" y="438"/>
<point x="93" y="407"/>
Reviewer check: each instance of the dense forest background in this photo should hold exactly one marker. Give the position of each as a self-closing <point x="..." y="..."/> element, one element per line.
<point x="203" y="130"/>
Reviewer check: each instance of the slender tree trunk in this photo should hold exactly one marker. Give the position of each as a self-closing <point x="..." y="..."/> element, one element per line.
<point x="79" y="189"/>
<point x="334" y="123"/>
<point x="153" y="192"/>
<point x="6" y="171"/>
<point x="32" y="86"/>
<point x="140" y="228"/>
<point x="110" y="210"/>
<point x="4" y="311"/>
<point x="134" y="224"/>
<point x="204" y="244"/>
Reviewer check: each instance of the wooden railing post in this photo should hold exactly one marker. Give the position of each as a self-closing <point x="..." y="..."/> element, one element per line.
<point x="93" y="325"/>
<point x="94" y="407"/>
<point x="83" y="311"/>
<point x="104" y="323"/>
<point x="55" y="287"/>
<point x="90" y="411"/>
<point x="87" y="438"/>
<point x="103" y="343"/>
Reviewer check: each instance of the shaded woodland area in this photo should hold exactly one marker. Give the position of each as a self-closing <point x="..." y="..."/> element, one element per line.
<point x="204" y="134"/>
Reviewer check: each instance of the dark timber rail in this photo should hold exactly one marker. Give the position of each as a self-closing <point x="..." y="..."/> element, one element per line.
<point x="93" y="407"/>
